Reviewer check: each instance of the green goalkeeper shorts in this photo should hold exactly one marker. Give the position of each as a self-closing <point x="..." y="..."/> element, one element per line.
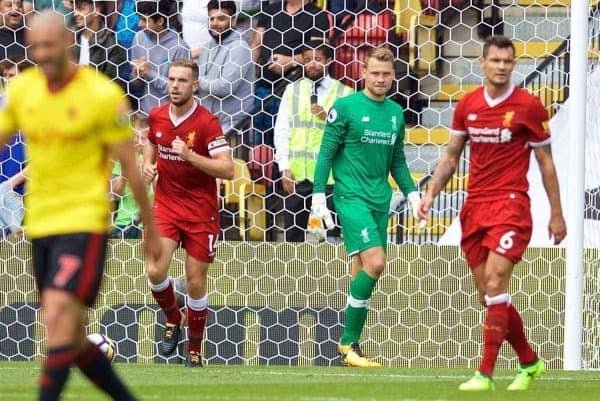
<point x="362" y="228"/>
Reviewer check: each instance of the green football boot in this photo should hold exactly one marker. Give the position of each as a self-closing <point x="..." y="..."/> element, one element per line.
<point x="478" y="382"/>
<point x="526" y="375"/>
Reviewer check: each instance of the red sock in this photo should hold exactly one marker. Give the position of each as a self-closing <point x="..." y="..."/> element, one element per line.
<point x="196" y="323"/>
<point x="516" y="337"/>
<point x="495" y="328"/>
<point x="166" y="300"/>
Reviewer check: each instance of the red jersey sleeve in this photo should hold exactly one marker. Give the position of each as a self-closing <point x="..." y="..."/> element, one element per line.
<point x="215" y="140"/>
<point x="458" y="120"/>
<point x="537" y="123"/>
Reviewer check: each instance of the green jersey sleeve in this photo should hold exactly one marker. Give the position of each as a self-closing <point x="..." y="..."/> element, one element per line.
<point x="333" y="136"/>
<point x="399" y="168"/>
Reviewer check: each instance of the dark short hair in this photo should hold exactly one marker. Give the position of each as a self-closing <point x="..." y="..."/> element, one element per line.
<point x="319" y="46"/>
<point x="156" y="9"/>
<point x="228" y="6"/>
<point x="187" y="63"/>
<point x="499" y="41"/>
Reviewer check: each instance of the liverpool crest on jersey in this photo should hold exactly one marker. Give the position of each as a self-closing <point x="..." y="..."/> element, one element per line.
<point x="508" y="117"/>
<point x="190" y="139"/>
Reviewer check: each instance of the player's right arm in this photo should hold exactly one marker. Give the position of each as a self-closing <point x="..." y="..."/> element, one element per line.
<point x="446" y="167"/>
<point x="124" y="152"/>
<point x="449" y="160"/>
<point x="117" y="136"/>
<point x="8" y="121"/>
<point x="333" y="135"/>
<point x="149" y="166"/>
<point x="149" y="170"/>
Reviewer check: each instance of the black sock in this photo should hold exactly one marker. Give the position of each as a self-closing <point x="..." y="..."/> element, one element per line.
<point x="97" y="368"/>
<point x="55" y="372"/>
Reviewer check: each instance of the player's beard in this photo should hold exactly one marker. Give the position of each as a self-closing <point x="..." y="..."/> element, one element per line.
<point x="315" y="76"/>
<point x="220" y="37"/>
<point x="181" y="101"/>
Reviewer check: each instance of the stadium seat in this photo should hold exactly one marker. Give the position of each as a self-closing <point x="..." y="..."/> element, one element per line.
<point x="261" y="164"/>
<point x="249" y="198"/>
<point x="422" y="46"/>
<point x="368" y="29"/>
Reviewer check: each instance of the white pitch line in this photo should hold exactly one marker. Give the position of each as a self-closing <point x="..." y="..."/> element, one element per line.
<point x="406" y="377"/>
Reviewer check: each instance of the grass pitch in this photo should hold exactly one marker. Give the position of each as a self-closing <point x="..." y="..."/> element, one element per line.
<point x="18" y="382"/>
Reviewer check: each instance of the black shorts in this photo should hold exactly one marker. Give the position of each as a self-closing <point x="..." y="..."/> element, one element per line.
<point x="71" y="262"/>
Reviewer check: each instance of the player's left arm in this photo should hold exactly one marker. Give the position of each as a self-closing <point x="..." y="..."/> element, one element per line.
<point x="401" y="173"/>
<point x="537" y="122"/>
<point x="218" y="165"/>
<point x="399" y="168"/>
<point x="557" y="227"/>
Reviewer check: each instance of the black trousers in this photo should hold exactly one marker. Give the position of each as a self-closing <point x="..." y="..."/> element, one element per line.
<point x="297" y="208"/>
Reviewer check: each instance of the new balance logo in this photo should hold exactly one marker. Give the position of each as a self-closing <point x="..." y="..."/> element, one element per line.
<point x="366" y="119"/>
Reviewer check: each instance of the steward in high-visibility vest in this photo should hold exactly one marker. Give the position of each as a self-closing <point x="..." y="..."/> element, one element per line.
<point x="298" y="133"/>
<point x="306" y="129"/>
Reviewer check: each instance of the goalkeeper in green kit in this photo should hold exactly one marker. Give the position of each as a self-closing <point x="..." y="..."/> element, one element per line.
<point x="363" y="144"/>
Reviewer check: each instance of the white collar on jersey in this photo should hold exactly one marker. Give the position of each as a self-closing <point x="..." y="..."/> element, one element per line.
<point x="495" y="102"/>
<point x="176" y="121"/>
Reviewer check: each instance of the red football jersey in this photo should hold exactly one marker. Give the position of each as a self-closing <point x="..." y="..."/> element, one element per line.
<point x="183" y="191"/>
<point x="501" y="134"/>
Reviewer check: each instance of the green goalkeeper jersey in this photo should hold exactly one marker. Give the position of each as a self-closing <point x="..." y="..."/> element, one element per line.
<point x="363" y="142"/>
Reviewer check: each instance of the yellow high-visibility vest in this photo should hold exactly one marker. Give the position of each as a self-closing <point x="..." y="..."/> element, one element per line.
<point x="306" y="130"/>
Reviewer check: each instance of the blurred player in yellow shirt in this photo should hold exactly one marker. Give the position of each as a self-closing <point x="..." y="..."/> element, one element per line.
<point x="75" y="121"/>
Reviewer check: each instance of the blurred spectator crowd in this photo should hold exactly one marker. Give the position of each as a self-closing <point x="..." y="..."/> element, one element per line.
<point x="248" y="51"/>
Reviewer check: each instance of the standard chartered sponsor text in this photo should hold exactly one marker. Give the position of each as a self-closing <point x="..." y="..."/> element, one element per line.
<point x="376" y="137"/>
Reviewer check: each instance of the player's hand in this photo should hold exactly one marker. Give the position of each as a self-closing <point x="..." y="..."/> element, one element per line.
<point x="319" y="214"/>
<point x="180" y="149"/>
<point x="288" y="181"/>
<point x="139" y="67"/>
<point x="280" y="64"/>
<point x="557" y="229"/>
<point x="414" y="200"/>
<point x="149" y="172"/>
<point x="152" y="245"/>
<point x="425" y="206"/>
<point x="318" y="111"/>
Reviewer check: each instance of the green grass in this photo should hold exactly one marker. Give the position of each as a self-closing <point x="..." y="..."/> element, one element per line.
<point x="251" y="383"/>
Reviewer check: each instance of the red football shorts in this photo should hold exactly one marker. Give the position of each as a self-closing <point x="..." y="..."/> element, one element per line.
<point x="503" y="226"/>
<point x="198" y="239"/>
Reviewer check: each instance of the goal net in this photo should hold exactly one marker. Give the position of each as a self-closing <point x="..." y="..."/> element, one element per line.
<point x="273" y="301"/>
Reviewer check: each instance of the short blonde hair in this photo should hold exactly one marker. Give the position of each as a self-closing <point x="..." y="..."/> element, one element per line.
<point x="380" y="54"/>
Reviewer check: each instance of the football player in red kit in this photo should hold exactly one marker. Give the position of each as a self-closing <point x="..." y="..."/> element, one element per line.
<point x="502" y="124"/>
<point x="187" y="150"/>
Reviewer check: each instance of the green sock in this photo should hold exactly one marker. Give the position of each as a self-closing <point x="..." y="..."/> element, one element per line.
<point x="361" y="289"/>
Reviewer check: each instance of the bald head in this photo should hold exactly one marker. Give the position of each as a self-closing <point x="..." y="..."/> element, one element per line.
<point x="49" y="21"/>
<point x="50" y="44"/>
